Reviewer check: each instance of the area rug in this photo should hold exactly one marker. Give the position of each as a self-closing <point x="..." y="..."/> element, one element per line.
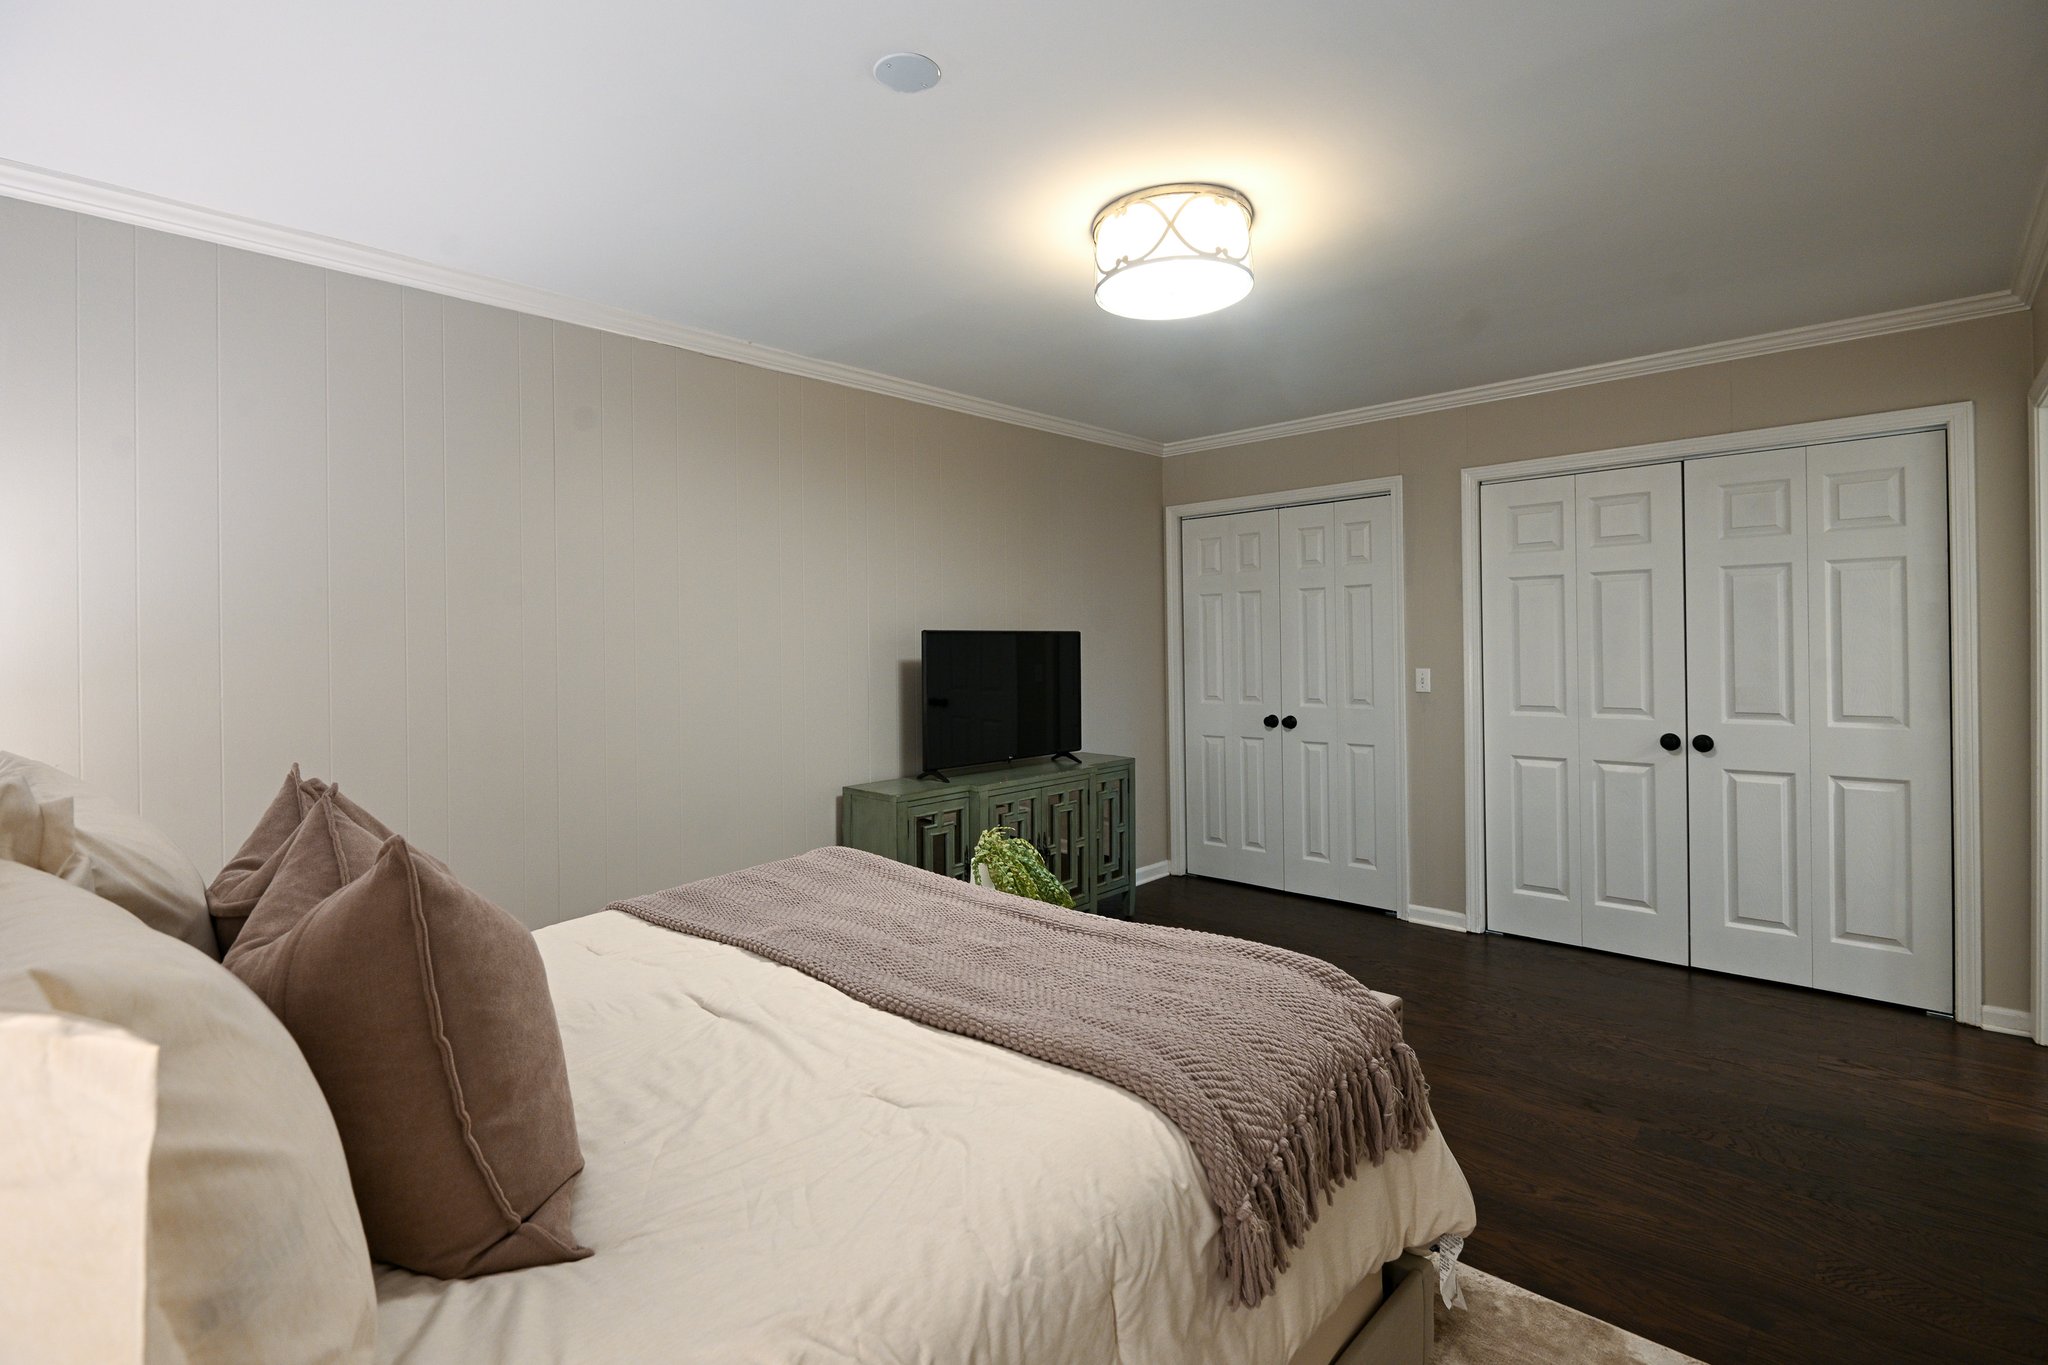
<point x="1504" y="1324"/>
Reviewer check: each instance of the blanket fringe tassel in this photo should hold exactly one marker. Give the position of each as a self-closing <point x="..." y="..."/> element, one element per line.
<point x="1378" y="1108"/>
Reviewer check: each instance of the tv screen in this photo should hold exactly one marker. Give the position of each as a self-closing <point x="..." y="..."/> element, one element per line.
<point x="992" y="695"/>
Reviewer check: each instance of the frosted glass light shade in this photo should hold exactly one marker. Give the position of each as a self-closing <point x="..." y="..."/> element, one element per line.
<point x="1173" y="251"/>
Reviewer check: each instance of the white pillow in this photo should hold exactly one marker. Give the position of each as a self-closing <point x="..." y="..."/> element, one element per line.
<point x="74" y="1189"/>
<point x="91" y="840"/>
<point x="21" y="819"/>
<point x="255" y="1248"/>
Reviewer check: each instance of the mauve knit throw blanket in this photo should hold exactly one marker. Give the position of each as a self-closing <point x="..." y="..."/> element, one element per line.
<point x="1282" y="1071"/>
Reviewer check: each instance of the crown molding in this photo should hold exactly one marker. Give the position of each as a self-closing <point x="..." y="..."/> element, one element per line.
<point x="2033" y="262"/>
<point x="79" y="195"/>
<point x="1791" y="339"/>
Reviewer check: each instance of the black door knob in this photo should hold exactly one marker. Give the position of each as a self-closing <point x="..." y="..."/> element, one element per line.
<point x="1704" y="743"/>
<point x="1671" y="742"/>
<point x="1289" y="722"/>
<point x="1271" y="721"/>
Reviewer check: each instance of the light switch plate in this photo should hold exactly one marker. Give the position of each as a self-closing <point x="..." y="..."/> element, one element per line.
<point x="1422" y="680"/>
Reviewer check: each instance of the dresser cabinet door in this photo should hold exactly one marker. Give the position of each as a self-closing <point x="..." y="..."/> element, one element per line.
<point x="935" y="837"/>
<point x="1113" y="863"/>
<point x="1062" y="818"/>
<point x="1014" y="810"/>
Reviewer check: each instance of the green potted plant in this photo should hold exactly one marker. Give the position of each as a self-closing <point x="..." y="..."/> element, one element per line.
<point x="1004" y="862"/>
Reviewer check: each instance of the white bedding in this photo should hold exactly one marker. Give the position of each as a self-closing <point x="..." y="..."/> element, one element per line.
<point x="778" y="1173"/>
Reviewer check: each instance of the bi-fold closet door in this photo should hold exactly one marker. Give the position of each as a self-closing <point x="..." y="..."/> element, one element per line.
<point x="1289" y="624"/>
<point x="1716" y="701"/>
<point x="1583" y="606"/>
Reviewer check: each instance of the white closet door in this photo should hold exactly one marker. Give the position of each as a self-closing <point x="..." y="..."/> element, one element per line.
<point x="1529" y="687"/>
<point x="1230" y="625"/>
<point x="1631" y="644"/>
<point x="1877" y="530"/>
<point x="1338" y="687"/>
<point x="1783" y="612"/>
<point x="1747" y="674"/>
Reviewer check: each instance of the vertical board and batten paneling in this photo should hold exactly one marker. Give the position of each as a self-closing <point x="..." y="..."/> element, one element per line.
<point x="894" y="547"/>
<point x="582" y="781"/>
<point x="177" y="545"/>
<point x="107" y="587"/>
<point x="39" y="575"/>
<point x="584" y="615"/>
<point x="273" y="516"/>
<point x="425" y="518"/>
<point x="486" y="701"/>
<point x="708" y="607"/>
<point x="540" y="742"/>
<point x="653" y="593"/>
<point x="366" y="540"/>
<point x="760" y="546"/>
<point x="830" y="616"/>
<point x="619" y="649"/>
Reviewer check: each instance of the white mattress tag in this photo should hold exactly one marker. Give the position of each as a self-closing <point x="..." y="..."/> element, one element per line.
<point x="1443" y="1254"/>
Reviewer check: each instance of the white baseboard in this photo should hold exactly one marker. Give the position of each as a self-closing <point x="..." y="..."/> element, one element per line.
<point x="1152" y="872"/>
<point x="1435" y="918"/>
<point x="1998" y="1019"/>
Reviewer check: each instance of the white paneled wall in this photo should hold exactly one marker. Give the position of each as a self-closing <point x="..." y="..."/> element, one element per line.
<point x="586" y="615"/>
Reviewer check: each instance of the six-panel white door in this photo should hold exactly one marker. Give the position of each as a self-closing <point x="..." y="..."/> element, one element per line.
<point x="1529" y="614"/>
<point x="1582" y="609"/>
<point x="1230" y="626"/>
<point x="1821" y="793"/>
<point x="1630" y="578"/>
<point x="1338" y="678"/>
<point x="1883" y="831"/>
<point x="1748" y="676"/>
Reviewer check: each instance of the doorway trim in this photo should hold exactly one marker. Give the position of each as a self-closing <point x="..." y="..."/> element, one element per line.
<point x="1958" y="422"/>
<point x="2037" y="430"/>
<point x="1176" y="766"/>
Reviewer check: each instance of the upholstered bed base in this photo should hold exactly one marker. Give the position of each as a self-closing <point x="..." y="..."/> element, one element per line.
<point x="1388" y="1319"/>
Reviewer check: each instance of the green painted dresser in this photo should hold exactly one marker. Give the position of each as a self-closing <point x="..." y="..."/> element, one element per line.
<point x="1078" y="814"/>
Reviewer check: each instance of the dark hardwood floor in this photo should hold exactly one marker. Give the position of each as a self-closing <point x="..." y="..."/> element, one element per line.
<point x="1740" y="1171"/>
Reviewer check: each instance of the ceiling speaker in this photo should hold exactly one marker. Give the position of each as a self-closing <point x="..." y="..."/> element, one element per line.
<point x="907" y="72"/>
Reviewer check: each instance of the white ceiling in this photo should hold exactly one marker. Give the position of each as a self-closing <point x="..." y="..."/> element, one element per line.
<point x="1449" y="192"/>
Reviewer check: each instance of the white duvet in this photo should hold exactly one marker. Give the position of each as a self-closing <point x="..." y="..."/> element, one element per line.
<point x="778" y="1173"/>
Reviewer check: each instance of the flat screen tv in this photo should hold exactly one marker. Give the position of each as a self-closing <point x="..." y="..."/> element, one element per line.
<point x="995" y="695"/>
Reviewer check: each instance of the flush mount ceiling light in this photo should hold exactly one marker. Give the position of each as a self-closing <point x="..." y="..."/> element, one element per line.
<point x="1173" y="251"/>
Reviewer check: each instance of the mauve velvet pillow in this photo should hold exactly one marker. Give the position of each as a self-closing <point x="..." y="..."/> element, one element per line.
<point x="237" y="887"/>
<point x="423" y="1011"/>
<point x="325" y="853"/>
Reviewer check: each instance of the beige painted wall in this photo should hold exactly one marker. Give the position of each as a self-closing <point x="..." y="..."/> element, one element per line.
<point x="1987" y="362"/>
<point x="588" y="616"/>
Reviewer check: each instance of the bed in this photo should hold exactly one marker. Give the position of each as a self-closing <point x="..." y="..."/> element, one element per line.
<point x="777" y="1172"/>
<point x="771" y="1170"/>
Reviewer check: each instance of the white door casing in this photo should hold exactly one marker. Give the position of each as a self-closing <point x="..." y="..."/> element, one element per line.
<point x="1877" y="585"/>
<point x="1339" y="680"/>
<point x="1529" y="618"/>
<point x="1630" y="570"/>
<point x="1747" y="678"/>
<point x="1231" y="682"/>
